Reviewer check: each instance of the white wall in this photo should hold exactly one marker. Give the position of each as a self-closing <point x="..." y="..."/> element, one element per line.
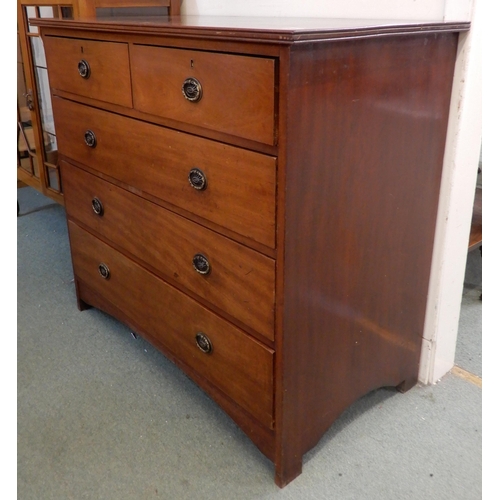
<point x="376" y="9"/>
<point x="461" y="155"/>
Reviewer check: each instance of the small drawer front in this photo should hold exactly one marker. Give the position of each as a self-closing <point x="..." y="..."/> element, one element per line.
<point x="231" y="276"/>
<point x="95" y="69"/>
<point x="238" y="365"/>
<point x="240" y="185"/>
<point x="223" y="92"/>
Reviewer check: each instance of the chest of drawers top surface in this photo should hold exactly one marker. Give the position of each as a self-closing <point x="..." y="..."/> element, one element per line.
<point x="273" y="29"/>
<point x="258" y="198"/>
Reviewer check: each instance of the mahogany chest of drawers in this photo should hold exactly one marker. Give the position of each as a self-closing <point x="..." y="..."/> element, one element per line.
<point x="257" y="198"/>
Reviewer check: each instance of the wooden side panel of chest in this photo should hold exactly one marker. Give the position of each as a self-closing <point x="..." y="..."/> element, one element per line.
<point x="364" y="153"/>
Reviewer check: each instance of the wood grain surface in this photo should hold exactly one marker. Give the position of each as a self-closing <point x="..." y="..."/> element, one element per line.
<point x="276" y="30"/>
<point x="371" y="129"/>
<point x="238" y="92"/>
<point x="241" y="184"/>
<point x="241" y="281"/>
<point x="109" y="78"/>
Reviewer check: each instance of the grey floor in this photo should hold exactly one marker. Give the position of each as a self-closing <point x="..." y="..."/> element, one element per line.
<point x="102" y="415"/>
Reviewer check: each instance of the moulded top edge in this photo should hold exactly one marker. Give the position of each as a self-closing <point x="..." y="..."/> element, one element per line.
<point x="256" y="28"/>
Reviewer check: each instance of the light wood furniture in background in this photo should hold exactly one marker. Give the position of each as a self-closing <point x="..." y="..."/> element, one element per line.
<point x="258" y="201"/>
<point x="90" y="8"/>
<point x="37" y="149"/>
<point x="476" y="230"/>
<point x="37" y="160"/>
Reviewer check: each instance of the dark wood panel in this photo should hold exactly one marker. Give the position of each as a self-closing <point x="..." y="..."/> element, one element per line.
<point x="238" y="365"/>
<point x="364" y="158"/>
<point x="241" y="184"/>
<point x="237" y="92"/>
<point x="109" y="70"/>
<point x="240" y="281"/>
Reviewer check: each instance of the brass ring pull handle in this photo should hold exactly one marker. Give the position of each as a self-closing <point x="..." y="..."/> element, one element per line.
<point x="197" y="179"/>
<point x="84" y="68"/>
<point x="191" y="89"/>
<point x="104" y="271"/>
<point x="204" y="343"/>
<point x="201" y="264"/>
<point x="90" y="139"/>
<point x="97" y="207"/>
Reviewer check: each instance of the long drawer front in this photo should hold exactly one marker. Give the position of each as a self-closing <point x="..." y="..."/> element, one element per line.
<point x="228" y="186"/>
<point x="233" y="361"/>
<point x="234" y="278"/>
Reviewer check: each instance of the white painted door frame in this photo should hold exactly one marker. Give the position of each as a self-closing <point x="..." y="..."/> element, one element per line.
<point x="460" y="166"/>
